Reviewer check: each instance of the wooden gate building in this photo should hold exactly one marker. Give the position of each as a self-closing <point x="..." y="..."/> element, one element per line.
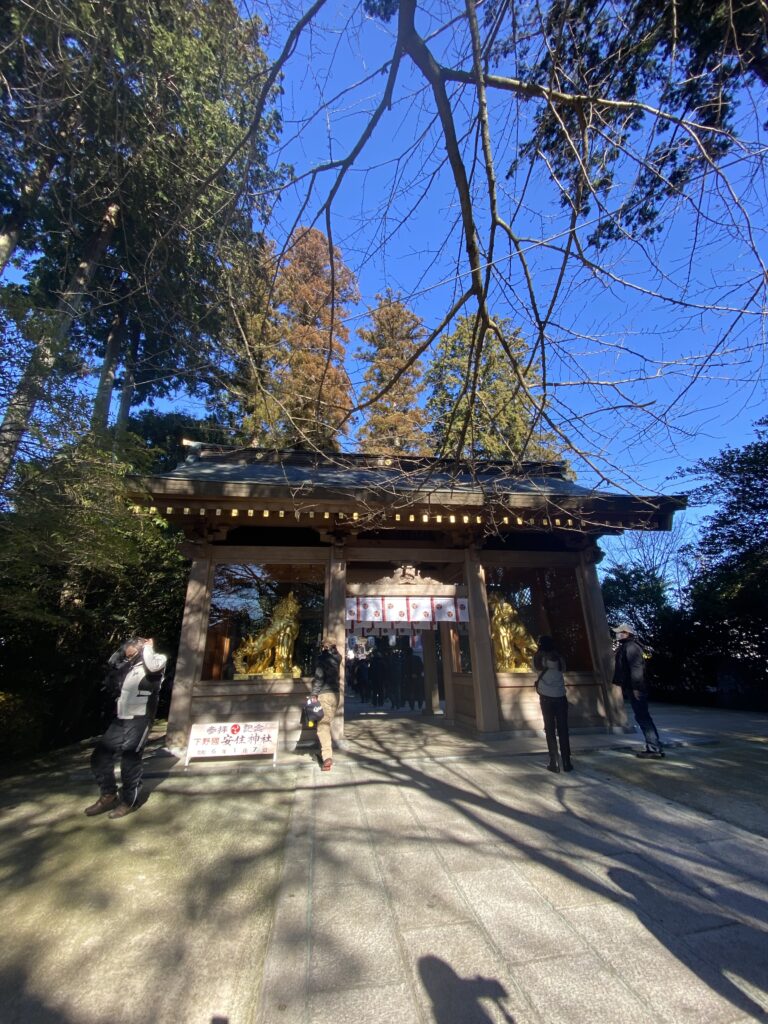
<point x="465" y="565"/>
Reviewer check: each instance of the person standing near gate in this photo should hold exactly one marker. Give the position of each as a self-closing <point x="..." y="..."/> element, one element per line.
<point x="326" y="687"/>
<point x="135" y="676"/>
<point x="629" y="674"/>
<point x="550" y="686"/>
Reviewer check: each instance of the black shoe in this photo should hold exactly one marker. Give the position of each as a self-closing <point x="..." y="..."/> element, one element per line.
<point x="105" y="803"/>
<point x="650" y="755"/>
<point x="553" y="767"/>
<point x="567" y="766"/>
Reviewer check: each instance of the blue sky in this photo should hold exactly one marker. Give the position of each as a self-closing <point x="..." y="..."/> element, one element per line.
<point x="624" y="342"/>
<point x="636" y="341"/>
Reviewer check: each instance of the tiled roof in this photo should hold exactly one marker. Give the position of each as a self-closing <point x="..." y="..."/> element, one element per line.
<point x="351" y="472"/>
<point x="212" y="479"/>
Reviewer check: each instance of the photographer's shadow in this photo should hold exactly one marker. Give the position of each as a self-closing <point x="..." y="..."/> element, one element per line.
<point x="456" y="1000"/>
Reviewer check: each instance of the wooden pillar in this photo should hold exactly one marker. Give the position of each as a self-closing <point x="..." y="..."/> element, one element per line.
<point x="189" y="662"/>
<point x="599" y="640"/>
<point x="449" y="660"/>
<point x="431" y="690"/>
<point x="335" y="620"/>
<point x="483" y="672"/>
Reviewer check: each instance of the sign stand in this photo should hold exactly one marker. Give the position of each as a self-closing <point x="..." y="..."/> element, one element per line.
<point x="233" y="739"/>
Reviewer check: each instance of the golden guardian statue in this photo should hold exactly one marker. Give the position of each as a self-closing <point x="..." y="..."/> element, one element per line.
<point x="270" y="652"/>
<point x="513" y="645"/>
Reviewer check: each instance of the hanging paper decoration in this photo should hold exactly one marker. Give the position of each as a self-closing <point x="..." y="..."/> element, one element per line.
<point x="444" y="609"/>
<point x="420" y="609"/>
<point x="395" y="609"/>
<point x="370" y="609"/>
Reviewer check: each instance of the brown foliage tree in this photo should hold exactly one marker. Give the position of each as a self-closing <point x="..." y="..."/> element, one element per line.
<point x="394" y="421"/>
<point x="311" y="385"/>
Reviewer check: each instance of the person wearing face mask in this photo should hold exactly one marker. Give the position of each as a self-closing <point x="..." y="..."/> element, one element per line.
<point x="134" y="679"/>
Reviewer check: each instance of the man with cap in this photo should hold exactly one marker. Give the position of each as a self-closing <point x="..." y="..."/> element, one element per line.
<point x="629" y="674"/>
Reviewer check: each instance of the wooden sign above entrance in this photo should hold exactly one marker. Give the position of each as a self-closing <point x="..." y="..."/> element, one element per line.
<point x="406" y="581"/>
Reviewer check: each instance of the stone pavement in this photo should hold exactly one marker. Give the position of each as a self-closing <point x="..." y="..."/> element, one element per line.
<point x="165" y="921"/>
<point x="454" y="890"/>
<point x="428" y="878"/>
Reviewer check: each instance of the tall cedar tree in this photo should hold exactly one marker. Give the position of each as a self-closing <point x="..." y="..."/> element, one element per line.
<point x="495" y="418"/>
<point x="394" y="423"/>
<point x="312" y="386"/>
<point x="247" y="401"/>
<point x="146" y="104"/>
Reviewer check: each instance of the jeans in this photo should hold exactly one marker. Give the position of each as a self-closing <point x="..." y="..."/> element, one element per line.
<point x="645" y="722"/>
<point x="554" y="711"/>
<point x="124" y="738"/>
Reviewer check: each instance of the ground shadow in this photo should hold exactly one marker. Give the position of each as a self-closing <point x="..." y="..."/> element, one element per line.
<point x="21" y="1005"/>
<point x="457" y="1000"/>
<point x="745" y="956"/>
<point x="705" y="919"/>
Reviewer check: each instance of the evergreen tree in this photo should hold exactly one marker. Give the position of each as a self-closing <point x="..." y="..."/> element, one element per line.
<point x="476" y="406"/>
<point x="715" y="646"/>
<point x="395" y="422"/>
<point x="310" y="385"/>
<point x="147" y="178"/>
<point x="730" y="583"/>
<point x="636" y="595"/>
<point x="240" y="379"/>
<point x="79" y="571"/>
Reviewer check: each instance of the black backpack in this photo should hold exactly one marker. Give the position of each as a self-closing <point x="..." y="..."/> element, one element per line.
<point x="311" y="712"/>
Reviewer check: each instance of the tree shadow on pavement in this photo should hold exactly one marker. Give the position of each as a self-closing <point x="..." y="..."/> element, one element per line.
<point x="740" y="950"/>
<point x="21" y="1005"/>
<point x="599" y="825"/>
<point x="188" y="881"/>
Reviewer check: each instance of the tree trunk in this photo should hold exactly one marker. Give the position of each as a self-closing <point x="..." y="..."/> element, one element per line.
<point x="101" y="403"/>
<point x="13" y="223"/>
<point x="26" y="395"/>
<point x="126" y="392"/>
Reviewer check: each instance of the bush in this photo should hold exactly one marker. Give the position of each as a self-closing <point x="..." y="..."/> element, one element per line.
<point x="21" y="726"/>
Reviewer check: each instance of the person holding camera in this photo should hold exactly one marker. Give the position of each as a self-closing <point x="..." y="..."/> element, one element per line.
<point x="326" y="687"/>
<point x="134" y="679"/>
<point x="550" y="686"/>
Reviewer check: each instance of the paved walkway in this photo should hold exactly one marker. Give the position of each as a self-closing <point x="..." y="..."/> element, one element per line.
<point x="475" y="889"/>
<point x="433" y="880"/>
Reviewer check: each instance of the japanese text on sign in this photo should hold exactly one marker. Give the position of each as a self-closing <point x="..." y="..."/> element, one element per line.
<point x="232" y="739"/>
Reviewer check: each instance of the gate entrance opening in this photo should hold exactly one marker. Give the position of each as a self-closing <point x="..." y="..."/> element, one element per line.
<point x="407" y="637"/>
<point x="403" y="673"/>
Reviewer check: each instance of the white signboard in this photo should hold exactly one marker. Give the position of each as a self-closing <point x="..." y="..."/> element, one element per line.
<point x="232" y="739"/>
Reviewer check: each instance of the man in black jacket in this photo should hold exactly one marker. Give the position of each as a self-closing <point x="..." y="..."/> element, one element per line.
<point x="629" y="674"/>
<point x="326" y="687"/>
<point x="134" y="679"/>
